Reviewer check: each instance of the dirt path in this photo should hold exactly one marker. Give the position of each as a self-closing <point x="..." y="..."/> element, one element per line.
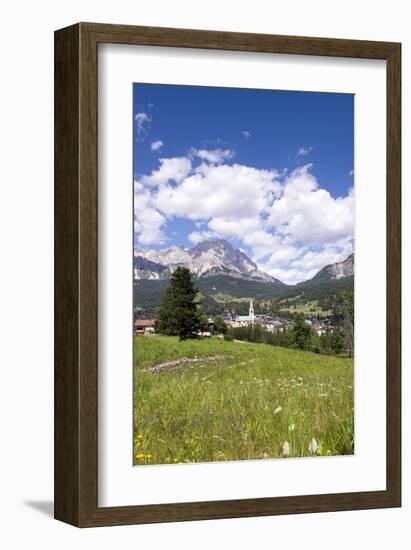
<point x="186" y="361"/>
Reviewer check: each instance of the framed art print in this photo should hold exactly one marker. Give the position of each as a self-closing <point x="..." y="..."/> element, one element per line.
<point x="227" y="303"/>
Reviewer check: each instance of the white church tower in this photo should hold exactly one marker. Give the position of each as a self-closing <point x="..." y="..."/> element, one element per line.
<point x="251" y="312"/>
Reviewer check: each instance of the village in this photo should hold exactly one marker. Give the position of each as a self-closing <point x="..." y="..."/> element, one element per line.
<point x="267" y="321"/>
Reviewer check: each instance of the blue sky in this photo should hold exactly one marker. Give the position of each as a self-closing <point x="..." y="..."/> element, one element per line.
<point x="270" y="171"/>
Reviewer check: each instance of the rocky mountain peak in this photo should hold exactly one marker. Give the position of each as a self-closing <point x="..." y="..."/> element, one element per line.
<point x="338" y="270"/>
<point x="219" y="257"/>
<point x="206" y="259"/>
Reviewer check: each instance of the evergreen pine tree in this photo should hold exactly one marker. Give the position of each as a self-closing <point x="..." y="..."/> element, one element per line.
<point x="302" y="333"/>
<point x="337" y="341"/>
<point x="347" y="310"/>
<point x="219" y="325"/>
<point x="203" y="322"/>
<point x="179" y="314"/>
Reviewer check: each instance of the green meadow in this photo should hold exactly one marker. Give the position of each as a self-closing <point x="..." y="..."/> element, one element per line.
<point x="211" y="400"/>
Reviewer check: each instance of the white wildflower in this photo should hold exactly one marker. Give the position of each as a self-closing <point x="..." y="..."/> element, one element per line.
<point x="291" y="427"/>
<point x="313" y="446"/>
<point x="286" y="448"/>
<point x="278" y="410"/>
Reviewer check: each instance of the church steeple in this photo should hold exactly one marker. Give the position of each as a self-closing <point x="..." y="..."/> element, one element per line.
<point x="251" y="311"/>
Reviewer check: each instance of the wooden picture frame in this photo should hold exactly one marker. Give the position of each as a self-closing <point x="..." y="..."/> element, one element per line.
<point x="76" y="361"/>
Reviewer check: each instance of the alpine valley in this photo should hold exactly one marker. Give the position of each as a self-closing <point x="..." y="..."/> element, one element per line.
<point x="227" y="277"/>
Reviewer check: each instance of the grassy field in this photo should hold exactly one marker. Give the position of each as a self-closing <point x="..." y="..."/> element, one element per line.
<point x="307" y="308"/>
<point x="222" y="298"/>
<point x="230" y="401"/>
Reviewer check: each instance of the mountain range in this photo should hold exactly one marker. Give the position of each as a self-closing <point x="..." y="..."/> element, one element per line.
<point x="216" y="258"/>
<point x="334" y="272"/>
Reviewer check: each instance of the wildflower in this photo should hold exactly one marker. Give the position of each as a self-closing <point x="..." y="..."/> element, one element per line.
<point x="149" y="456"/>
<point x="278" y="410"/>
<point x="286" y="448"/>
<point x="139" y="436"/>
<point x="313" y="446"/>
<point x="291" y="427"/>
<point x="140" y="455"/>
<point x="175" y="460"/>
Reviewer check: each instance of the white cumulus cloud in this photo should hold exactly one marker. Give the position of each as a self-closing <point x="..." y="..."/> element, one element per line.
<point x="156" y="145"/>
<point x="148" y="222"/>
<point x="288" y="223"/>
<point x="198" y="236"/>
<point x="304" y="151"/>
<point x="171" y="169"/>
<point x="213" y="156"/>
<point x="302" y="263"/>
<point x="143" y="121"/>
<point x="309" y="214"/>
<point x="222" y="191"/>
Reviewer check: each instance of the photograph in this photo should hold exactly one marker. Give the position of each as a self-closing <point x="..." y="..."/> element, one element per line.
<point x="210" y="239"/>
<point x="243" y="274"/>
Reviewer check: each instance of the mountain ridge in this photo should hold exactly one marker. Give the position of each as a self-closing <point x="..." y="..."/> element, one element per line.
<point x="206" y="259"/>
<point x="337" y="270"/>
<point x="218" y="257"/>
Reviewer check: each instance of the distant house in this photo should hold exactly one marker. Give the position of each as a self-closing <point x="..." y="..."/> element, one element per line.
<point x="144" y="326"/>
